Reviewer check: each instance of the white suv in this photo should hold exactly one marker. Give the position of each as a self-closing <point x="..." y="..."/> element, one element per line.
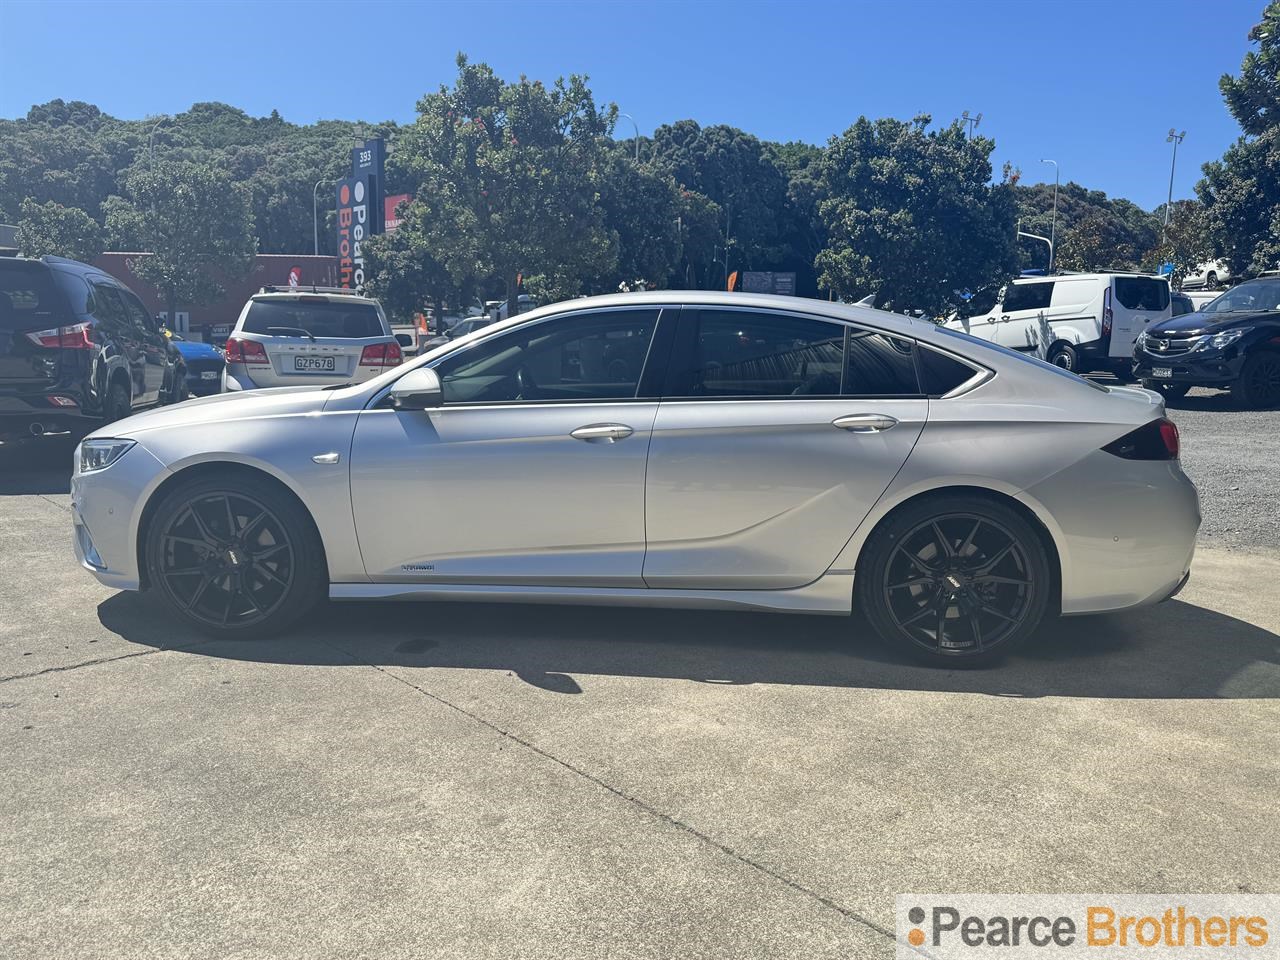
<point x="1079" y="321"/>
<point x="319" y="337"/>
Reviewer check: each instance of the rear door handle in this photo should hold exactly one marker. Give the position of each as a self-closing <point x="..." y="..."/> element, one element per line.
<point x="864" y="422"/>
<point x="602" y="432"/>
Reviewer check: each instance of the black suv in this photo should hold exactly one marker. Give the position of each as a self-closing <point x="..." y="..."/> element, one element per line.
<point x="1233" y="342"/>
<point x="77" y="348"/>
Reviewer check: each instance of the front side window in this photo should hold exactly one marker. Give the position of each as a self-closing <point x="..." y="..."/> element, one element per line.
<point x="581" y="357"/>
<point x="743" y="353"/>
<point x="1028" y="296"/>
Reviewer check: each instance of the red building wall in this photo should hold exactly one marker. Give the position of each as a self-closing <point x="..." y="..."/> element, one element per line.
<point x="214" y="321"/>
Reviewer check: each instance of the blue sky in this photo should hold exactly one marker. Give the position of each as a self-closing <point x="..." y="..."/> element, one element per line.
<point x="1094" y="84"/>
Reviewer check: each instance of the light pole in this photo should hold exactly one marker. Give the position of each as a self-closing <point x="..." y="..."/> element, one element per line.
<point x="970" y="122"/>
<point x="636" y="127"/>
<point x="315" y="212"/>
<point x="1175" y="138"/>
<point x="1053" y="224"/>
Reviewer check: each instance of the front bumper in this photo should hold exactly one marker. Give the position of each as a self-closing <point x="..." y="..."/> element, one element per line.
<point x="106" y="513"/>
<point x="1214" y="368"/>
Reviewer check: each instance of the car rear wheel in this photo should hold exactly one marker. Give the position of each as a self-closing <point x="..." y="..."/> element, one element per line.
<point x="235" y="562"/>
<point x="1211" y="280"/>
<point x="955" y="581"/>
<point x="1064" y="355"/>
<point x="117" y="405"/>
<point x="1259" y="384"/>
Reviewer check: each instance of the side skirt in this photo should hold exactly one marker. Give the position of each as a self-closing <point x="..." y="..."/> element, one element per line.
<point x="829" y="594"/>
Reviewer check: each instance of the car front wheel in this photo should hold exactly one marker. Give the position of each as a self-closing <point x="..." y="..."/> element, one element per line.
<point x="955" y="581"/>
<point x="233" y="560"/>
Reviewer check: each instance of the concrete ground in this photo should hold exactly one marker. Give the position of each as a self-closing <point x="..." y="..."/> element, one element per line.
<point x="420" y="780"/>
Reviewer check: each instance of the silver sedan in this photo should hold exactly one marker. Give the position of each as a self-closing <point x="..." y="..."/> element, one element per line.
<point x="675" y="449"/>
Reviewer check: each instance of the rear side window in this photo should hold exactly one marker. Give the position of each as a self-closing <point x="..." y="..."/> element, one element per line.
<point x="321" y="318"/>
<point x="741" y="353"/>
<point x="1028" y="296"/>
<point x="1142" y="293"/>
<point x="108" y="308"/>
<point x="29" y="299"/>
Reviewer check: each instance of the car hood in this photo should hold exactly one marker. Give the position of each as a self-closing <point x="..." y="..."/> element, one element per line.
<point x="249" y="404"/>
<point x="193" y="350"/>
<point x="1198" y="322"/>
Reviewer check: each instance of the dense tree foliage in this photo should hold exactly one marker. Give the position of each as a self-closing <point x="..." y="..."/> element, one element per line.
<point x="52" y="229"/>
<point x="912" y="216"/>
<point x="1122" y="231"/>
<point x="1241" y="192"/>
<point x="195" y="224"/>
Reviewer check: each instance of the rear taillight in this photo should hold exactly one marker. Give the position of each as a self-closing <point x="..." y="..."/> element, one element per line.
<point x="1106" y="312"/>
<point x="1157" y="440"/>
<point x="381" y="355"/>
<point x="246" y="351"/>
<point x="74" y="337"/>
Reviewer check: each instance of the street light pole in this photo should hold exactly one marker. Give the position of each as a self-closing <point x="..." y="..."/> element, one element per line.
<point x="1175" y="138"/>
<point x="1053" y="224"/>
<point x="636" y="127"/>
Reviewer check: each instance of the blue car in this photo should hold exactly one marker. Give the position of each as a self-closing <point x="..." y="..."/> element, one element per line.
<point x="194" y="369"/>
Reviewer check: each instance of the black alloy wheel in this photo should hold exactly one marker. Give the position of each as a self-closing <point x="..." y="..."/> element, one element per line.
<point x="957" y="584"/>
<point x="234" y="562"/>
<point x="1259" y="383"/>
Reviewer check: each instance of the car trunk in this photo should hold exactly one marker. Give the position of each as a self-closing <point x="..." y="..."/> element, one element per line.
<point x="34" y="320"/>
<point x="311" y="340"/>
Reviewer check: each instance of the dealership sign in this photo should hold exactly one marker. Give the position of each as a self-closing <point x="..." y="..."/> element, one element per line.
<point x="361" y="211"/>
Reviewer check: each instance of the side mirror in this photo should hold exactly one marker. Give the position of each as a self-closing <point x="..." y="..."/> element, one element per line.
<point x="419" y="389"/>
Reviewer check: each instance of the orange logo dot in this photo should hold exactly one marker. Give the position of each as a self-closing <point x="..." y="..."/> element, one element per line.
<point x="915" y="937"/>
<point x="344" y="194"/>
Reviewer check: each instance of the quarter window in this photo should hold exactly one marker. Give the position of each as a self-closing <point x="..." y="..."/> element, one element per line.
<point x="582" y="357"/>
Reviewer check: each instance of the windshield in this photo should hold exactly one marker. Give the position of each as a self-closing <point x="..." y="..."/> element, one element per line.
<point x="320" y="318"/>
<point x="1256" y="295"/>
<point x="1024" y="357"/>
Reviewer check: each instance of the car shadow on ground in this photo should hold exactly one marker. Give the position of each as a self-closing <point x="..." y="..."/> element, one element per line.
<point x="1173" y="650"/>
<point x="33" y="467"/>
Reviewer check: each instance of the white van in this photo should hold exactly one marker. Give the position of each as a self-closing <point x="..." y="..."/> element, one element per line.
<point x="1079" y="321"/>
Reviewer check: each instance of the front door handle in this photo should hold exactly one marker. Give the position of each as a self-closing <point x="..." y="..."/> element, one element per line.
<point x="864" y="422"/>
<point x="602" y="432"/>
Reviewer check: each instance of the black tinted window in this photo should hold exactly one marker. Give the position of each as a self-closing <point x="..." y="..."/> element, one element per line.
<point x="595" y="356"/>
<point x="137" y="312"/>
<point x="739" y="353"/>
<point x="28" y="298"/>
<point x="940" y="373"/>
<point x="320" y="318"/>
<point x="1142" y="293"/>
<point x="1027" y="296"/>
<point x="108" y="308"/>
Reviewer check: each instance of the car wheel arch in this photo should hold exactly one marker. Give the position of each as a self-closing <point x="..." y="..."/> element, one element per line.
<point x="204" y="470"/>
<point x="1035" y="516"/>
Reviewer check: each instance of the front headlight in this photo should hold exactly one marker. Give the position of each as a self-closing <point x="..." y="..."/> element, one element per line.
<point x="97" y="455"/>
<point x="1220" y="341"/>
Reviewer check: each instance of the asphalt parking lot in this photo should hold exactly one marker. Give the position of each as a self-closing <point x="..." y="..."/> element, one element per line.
<point x="419" y="780"/>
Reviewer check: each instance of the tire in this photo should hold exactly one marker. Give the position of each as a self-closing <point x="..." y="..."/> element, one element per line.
<point x="235" y="559"/>
<point x="118" y="403"/>
<point x="1170" y="391"/>
<point x="1211" y="280"/>
<point x="1064" y="355"/>
<point x="967" y="603"/>
<point x="1258" y="386"/>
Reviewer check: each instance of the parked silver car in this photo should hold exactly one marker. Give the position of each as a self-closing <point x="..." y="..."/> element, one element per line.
<point x="314" y="337"/>
<point x="676" y="449"/>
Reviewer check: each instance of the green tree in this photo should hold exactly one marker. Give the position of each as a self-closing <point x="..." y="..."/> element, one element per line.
<point x="401" y="272"/>
<point x="912" y="216"/>
<point x="507" y="177"/>
<point x="52" y="229"/>
<point x="1186" y="242"/>
<point x="194" y="223"/>
<point x="1122" y="229"/>
<point x="1241" y="192"/>
<point x="641" y="207"/>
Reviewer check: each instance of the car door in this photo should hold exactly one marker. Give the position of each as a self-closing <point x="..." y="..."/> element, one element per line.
<point x="776" y="435"/>
<point x="1023" y="314"/>
<point x="152" y="344"/>
<point x="123" y="346"/>
<point x="532" y="472"/>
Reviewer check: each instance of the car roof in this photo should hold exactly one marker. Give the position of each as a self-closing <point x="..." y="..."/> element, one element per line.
<point x="1085" y="276"/>
<point x="313" y="296"/>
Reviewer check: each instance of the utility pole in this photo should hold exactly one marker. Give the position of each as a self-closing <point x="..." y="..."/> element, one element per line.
<point x="970" y="122"/>
<point x="1053" y="224"/>
<point x="1175" y="138"/>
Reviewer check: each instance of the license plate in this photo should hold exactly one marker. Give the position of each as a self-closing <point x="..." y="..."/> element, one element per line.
<point x="1160" y="373"/>
<point x="209" y="375"/>
<point x="314" y="363"/>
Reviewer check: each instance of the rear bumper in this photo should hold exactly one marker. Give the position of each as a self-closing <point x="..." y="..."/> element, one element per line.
<point x="1197" y="370"/>
<point x="34" y="414"/>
